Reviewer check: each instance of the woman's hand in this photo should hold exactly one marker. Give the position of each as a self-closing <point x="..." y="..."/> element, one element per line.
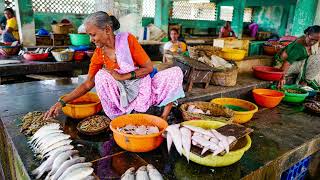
<point x="281" y="83"/>
<point x="53" y="111"/>
<point x="117" y="76"/>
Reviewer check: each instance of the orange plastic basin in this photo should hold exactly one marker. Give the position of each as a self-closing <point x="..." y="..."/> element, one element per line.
<point x="267" y="97"/>
<point x="138" y="143"/>
<point x="85" y="106"/>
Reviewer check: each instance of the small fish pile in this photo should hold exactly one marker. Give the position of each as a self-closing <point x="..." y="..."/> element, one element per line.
<point x="33" y="121"/>
<point x="58" y="156"/>
<point x="148" y="172"/>
<point x="186" y="136"/>
<point x="139" y="130"/>
<point x="193" y="109"/>
<point x="94" y="123"/>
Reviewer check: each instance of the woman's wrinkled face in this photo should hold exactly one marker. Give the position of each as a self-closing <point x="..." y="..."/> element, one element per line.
<point x="8" y="14"/>
<point x="312" y="39"/>
<point x="100" y="37"/>
<point x="174" y="35"/>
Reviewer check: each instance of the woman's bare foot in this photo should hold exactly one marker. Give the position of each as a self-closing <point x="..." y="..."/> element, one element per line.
<point x="166" y="111"/>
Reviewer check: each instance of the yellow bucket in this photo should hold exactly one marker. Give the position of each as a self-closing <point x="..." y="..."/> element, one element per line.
<point x="239" y="116"/>
<point x="219" y="161"/>
<point x="233" y="54"/>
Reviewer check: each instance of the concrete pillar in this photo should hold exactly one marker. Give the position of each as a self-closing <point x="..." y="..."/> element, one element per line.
<point x="303" y="16"/>
<point x="237" y="19"/>
<point x="1" y="5"/>
<point x="161" y="18"/>
<point x="26" y="24"/>
<point x="284" y="21"/>
<point x="317" y="18"/>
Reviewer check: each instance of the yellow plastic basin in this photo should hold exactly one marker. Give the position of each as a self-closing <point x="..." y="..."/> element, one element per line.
<point x="219" y="161"/>
<point x="85" y="106"/>
<point x="233" y="54"/>
<point x="239" y="116"/>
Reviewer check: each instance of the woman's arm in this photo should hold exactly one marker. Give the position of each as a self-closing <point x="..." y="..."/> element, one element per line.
<point x="285" y="67"/>
<point x="143" y="71"/>
<point x="78" y="92"/>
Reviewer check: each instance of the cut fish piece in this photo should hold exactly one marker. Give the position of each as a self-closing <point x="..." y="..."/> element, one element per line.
<point x="199" y="130"/>
<point x="169" y="141"/>
<point x="186" y="140"/>
<point x="153" y="173"/>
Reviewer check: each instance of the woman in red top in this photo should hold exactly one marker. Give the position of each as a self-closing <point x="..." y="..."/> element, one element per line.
<point x="120" y="70"/>
<point x="226" y="31"/>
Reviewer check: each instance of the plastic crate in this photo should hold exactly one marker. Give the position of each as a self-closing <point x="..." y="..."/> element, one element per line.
<point x="297" y="171"/>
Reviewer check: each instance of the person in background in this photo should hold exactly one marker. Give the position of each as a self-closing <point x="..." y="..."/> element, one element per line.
<point x="302" y="57"/>
<point x="10" y="33"/>
<point x="226" y="31"/>
<point x="253" y="28"/>
<point x="174" y="45"/>
<point x="121" y="72"/>
<point x="3" y="23"/>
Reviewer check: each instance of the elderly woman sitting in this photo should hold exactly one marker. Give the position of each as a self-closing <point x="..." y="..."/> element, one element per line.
<point x="302" y="57"/>
<point x="120" y="69"/>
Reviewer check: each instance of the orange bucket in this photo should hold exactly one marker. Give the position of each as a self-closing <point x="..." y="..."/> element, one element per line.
<point x="267" y="98"/>
<point x="84" y="106"/>
<point x="138" y="143"/>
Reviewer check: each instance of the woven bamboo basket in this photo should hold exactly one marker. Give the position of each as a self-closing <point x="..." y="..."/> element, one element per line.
<point x="217" y="112"/>
<point x="198" y="51"/>
<point x="225" y="78"/>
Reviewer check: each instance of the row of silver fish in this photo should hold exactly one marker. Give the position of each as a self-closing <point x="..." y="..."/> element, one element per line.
<point x="148" y="172"/>
<point x="59" y="158"/>
<point x="185" y="136"/>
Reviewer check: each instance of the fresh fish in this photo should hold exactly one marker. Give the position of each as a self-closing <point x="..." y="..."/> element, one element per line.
<point x="152" y="130"/>
<point x="200" y="140"/>
<point x="45" y="139"/>
<point x="142" y="173"/>
<point x="66" y="165"/>
<point x="52" y="141"/>
<point x="74" y="167"/>
<point x="60" y="159"/>
<point x="128" y="175"/>
<point x="204" y="150"/>
<point x="46" y="128"/>
<point x="45" y="166"/>
<point x="43" y="134"/>
<point x="190" y="108"/>
<point x="88" y="178"/>
<point x="176" y="136"/>
<point x="231" y="139"/>
<point x="169" y="141"/>
<point x="56" y="145"/>
<point x="186" y="140"/>
<point x="199" y="130"/>
<point x="79" y="173"/>
<point x="197" y="111"/>
<point x="61" y="148"/>
<point x="153" y="173"/>
<point x="194" y="143"/>
<point x="206" y="137"/>
<point x="141" y="130"/>
<point x="222" y="139"/>
<point x="214" y="140"/>
<point x="219" y="150"/>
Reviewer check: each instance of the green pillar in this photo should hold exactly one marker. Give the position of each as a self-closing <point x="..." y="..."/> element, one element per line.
<point x="161" y="18"/>
<point x="317" y="18"/>
<point x="290" y="19"/>
<point x="1" y="5"/>
<point x="237" y="19"/>
<point x="284" y="21"/>
<point x="303" y="16"/>
<point x="26" y="24"/>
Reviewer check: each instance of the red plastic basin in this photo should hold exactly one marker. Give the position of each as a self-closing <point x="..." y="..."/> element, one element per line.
<point x="267" y="98"/>
<point x="35" y="57"/>
<point x="267" y="73"/>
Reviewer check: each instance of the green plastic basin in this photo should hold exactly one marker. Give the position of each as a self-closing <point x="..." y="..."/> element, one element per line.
<point x="293" y="97"/>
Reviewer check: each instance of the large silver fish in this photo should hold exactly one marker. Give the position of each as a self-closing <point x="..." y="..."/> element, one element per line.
<point x="142" y="173"/>
<point x="56" y="145"/>
<point x="52" y="141"/>
<point x="65" y="147"/>
<point x="153" y="173"/>
<point x="79" y="173"/>
<point x="66" y="165"/>
<point x="38" y="136"/>
<point x="45" y="139"/>
<point x="129" y="174"/>
<point x="73" y="168"/>
<point x="186" y="140"/>
<point x="176" y="136"/>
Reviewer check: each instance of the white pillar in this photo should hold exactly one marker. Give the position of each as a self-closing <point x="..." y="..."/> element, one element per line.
<point x="317" y="18"/>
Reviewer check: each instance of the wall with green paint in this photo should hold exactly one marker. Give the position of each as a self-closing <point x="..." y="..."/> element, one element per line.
<point x="43" y="20"/>
<point x="268" y="17"/>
